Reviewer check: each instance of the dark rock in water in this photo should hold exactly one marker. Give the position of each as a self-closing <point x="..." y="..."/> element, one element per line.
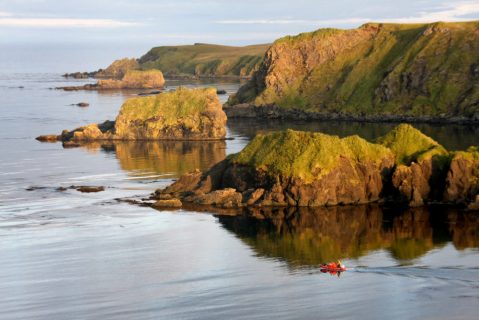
<point x="221" y="91"/>
<point x="81" y="104"/>
<point x="306" y="169"/>
<point x="33" y="188"/>
<point x="88" y="189"/>
<point x="142" y="94"/>
<point x="49" y="138"/>
<point x="80" y="75"/>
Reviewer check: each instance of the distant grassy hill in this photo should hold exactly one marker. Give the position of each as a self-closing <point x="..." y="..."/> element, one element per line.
<point x="418" y="70"/>
<point x="204" y="60"/>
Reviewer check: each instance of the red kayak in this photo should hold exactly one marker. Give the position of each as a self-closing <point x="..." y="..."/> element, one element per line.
<point x="332" y="268"/>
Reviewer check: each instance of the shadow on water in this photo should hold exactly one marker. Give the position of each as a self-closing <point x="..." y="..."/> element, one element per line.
<point x="307" y="237"/>
<point x="451" y="136"/>
<point x="168" y="159"/>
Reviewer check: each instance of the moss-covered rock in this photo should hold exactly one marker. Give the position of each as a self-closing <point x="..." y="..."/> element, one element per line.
<point x="184" y="114"/>
<point x="378" y="70"/>
<point x="308" y="169"/>
<point x="410" y="144"/>
<point x="306" y="155"/>
<point x="293" y="168"/>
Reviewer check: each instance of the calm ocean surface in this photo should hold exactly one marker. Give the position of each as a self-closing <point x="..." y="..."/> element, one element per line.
<point x="70" y="255"/>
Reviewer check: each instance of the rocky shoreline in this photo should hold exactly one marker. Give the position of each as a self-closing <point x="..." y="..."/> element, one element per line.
<point x="275" y="112"/>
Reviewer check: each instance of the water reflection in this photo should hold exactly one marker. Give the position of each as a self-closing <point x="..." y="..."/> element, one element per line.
<point x="163" y="158"/>
<point x="453" y="137"/>
<point x="308" y="237"/>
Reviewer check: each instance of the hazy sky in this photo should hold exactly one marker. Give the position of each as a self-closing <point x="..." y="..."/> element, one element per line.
<point x="149" y="22"/>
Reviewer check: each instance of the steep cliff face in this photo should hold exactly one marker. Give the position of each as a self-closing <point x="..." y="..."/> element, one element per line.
<point x="377" y="69"/>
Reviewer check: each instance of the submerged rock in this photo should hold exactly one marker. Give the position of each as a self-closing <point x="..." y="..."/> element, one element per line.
<point x="184" y="114"/>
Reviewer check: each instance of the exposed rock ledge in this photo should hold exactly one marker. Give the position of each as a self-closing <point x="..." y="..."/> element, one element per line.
<point x="305" y="169"/>
<point x="246" y="110"/>
<point x="184" y="114"/>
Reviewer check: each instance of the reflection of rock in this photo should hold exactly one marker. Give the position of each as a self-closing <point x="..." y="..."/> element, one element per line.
<point x="172" y="158"/>
<point x="169" y="157"/>
<point x="310" y="236"/>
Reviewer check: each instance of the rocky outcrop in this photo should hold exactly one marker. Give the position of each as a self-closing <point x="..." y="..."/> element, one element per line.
<point x="116" y="70"/>
<point x="307" y="169"/>
<point x="291" y="168"/>
<point x="462" y="182"/>
<point x="421" y="165"/>
<point x="184" y="114"/>
<point x="132" y="79"/>
<point x="422" y="71"/>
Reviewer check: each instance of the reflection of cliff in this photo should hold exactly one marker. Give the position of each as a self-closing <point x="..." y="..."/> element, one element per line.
<point x="169" y="157"/>
<point x="308" y="237"/>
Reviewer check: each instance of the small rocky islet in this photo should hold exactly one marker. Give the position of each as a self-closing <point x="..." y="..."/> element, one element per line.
<point x="183" y="114"/>
<point x="311" y="169"/>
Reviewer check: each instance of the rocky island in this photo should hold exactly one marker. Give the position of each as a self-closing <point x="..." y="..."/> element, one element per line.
<point x="378" y="72"/>
<point x="184" y="114"/>
<point x="310" y="169"/>
<point x="132" y="79"/>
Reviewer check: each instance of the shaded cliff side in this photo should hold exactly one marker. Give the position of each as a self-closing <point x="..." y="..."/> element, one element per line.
<point x="416" y="70"/>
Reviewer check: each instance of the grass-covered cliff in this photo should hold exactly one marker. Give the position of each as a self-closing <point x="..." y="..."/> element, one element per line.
<point x="204" y="60"/>
<point x="377" y="69"/>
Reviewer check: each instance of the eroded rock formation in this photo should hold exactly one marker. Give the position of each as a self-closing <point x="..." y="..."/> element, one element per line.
<point x="305" y="169"/>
